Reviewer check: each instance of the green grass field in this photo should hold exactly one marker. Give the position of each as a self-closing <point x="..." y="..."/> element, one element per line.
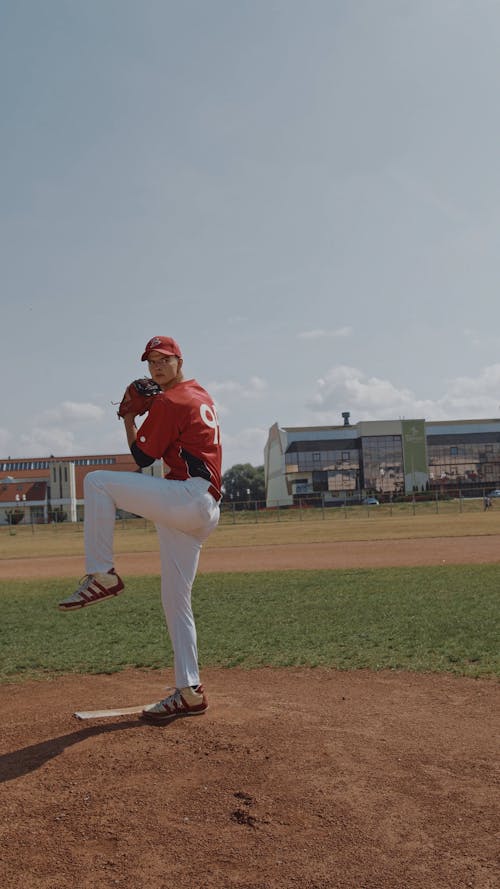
<point x="418" y="619"/>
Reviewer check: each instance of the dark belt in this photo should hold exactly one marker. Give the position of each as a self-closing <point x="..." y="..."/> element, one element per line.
<point x="215" y="493"/>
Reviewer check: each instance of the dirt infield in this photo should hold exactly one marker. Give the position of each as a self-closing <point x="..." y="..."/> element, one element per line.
<point x="279" y="557"/>
<point x="315" y="779"/>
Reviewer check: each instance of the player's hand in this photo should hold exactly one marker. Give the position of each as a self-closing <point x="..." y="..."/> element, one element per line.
<point x="137" y="398"/>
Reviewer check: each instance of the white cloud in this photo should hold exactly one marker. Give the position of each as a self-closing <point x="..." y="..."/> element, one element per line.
<point x="245" y="446"/>
<point x="322" y="334"/>
<point x="478" y="396"/>
<point x="69" y="428"/>
<point x="257" y="387"/>
<point x="371" y="398"/>
<point x="112" y="439"/>
<point x="73" y="411"/>
<point x="231" y="392"/>
<point x="105" y="438"/>
<point x="482" y="339"/>
<point x="84" y="428"/>
<point x="51" y="440"/>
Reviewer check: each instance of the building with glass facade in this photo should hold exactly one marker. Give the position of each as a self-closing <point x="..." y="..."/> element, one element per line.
<point x="385" y="458"/>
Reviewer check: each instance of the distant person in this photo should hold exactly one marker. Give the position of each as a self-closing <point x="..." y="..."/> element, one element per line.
<point x="487" y="502"/>
<point x="181" y="428"/>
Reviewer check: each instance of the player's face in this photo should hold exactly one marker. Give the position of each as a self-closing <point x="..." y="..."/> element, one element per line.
<point x="164" y="369"/>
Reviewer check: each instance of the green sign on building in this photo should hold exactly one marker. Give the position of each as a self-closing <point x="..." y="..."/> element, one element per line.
<point x="414" y="455"/>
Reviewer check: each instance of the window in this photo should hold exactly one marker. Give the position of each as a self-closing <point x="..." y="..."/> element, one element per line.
<point x="379" y="454"/>
<point x="302" y="488"/>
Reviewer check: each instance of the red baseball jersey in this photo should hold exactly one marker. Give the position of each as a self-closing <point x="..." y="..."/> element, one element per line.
<point x="182" y="428"/>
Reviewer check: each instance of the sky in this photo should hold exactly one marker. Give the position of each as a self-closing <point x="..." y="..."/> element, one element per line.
<point x="305" y="195"/>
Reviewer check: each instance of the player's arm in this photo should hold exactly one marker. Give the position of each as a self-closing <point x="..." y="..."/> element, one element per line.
<point x="155" y="435"/>
<point x="139" y="456"/>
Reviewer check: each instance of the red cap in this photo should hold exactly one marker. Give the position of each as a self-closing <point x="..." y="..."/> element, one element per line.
<point x="164" y="344"/>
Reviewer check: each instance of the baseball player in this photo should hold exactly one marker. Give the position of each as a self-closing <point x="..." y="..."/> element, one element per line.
<point x="181" y="427"/>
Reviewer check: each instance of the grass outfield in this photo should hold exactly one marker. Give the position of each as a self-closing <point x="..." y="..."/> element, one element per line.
<point x="379" y="523"/>
<point x="443" y="619"/>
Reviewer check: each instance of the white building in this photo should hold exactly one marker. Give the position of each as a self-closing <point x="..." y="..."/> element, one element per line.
<point x="386" y="458"/>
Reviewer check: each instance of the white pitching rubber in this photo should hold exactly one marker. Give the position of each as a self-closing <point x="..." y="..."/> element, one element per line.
<point x="104" y="714"/>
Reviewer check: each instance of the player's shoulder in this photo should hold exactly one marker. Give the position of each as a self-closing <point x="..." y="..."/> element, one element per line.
<point x="186" y="392"/>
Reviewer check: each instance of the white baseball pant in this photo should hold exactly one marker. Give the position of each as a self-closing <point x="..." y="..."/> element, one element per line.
<point x="184" y="514"/>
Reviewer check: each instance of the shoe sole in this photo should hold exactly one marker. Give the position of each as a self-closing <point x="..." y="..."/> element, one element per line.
<point x="161" y="720"/>
<point x="75" y="605"/>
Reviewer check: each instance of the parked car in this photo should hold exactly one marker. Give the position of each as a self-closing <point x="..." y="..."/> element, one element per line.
<point x="372" y="501"/>
<point x="495" y="493"/>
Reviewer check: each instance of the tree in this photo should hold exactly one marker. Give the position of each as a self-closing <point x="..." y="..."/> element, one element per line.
<point x="244" y="482"/>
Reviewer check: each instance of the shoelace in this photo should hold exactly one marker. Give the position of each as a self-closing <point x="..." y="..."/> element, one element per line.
<point x="84" y="585"/>
<point x="174" y="701"/>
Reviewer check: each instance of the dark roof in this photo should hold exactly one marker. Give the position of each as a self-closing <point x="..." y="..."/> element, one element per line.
<point x="327" y="444"/>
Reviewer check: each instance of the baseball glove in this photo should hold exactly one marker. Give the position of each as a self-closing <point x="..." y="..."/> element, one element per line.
<point x="138" y="397"/>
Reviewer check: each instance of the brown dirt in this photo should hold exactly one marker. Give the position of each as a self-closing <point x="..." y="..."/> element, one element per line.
<point x="279" y="557"/>
<point x="315" y="779"/>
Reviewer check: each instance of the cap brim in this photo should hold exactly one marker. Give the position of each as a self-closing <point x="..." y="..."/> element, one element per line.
<point x="156" y="349"/>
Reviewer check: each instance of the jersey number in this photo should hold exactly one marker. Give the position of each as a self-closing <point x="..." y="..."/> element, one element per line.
<point x="209" y="417"/>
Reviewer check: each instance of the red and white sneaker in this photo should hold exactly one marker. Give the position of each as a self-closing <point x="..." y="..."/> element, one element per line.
<point x="182" y="702"/>
<point x="93" y="588"/>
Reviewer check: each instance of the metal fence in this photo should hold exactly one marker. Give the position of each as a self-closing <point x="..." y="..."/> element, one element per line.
<point x="312" y="508"/>
<point x="317" y="508"/>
